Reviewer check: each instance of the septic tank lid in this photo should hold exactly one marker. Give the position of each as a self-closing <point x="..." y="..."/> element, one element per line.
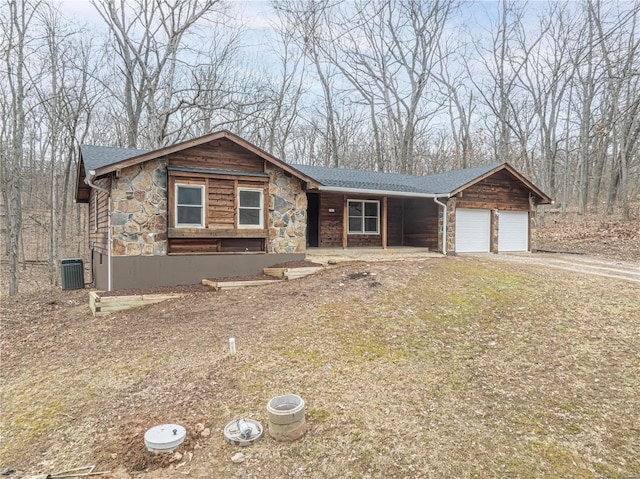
<point x="243" y="432"/>
<point x="164" y="438"/>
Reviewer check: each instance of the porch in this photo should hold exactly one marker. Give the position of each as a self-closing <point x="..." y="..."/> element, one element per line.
<point x="396" y="253"/>
<point x="372" y="222"/>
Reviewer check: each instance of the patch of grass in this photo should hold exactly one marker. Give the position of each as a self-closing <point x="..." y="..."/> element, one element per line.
<point x="38" y="417"/>
<point x="461" y="294"/>
<point x="559" y="461"/>
<point x="319" y="415"/>
<point x="30" y="414"/>
<point x="573" y="429"/>
<point x="300" y="354"/>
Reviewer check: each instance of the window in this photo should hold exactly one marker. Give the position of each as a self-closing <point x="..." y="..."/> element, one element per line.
<point x="364" y="217"/>
<point x="189" y="206"/>
<point x="250" y="212"/>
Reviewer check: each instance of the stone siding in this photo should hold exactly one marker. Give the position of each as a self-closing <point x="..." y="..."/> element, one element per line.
<point x="495" y="220"/>
<point x="139" y="210"/>
<point x="287" y="213"/>
<point x="451" y="226"/>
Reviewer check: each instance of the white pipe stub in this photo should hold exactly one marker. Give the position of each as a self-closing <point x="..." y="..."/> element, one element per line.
<point x="164" y="438"/>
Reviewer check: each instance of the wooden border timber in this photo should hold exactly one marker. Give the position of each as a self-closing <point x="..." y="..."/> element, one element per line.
<point x="292" y="273"/>
<point x="103" y="305"/>
<point x="223" y="285"/>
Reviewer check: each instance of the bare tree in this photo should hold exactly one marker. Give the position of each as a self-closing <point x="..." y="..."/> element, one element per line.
<point x="546" y="77"/>
<point x="620" y="49"/>
<point x="15" y="19"/>
<point x="64" y="100"/>
<point x="461" y="102"/>
<point x="309" y="23"/>
<point x="387" y="51"/>
<point x="499" y="88"/>
<point x="148" y="38"/>
<point x="288" y="89"/>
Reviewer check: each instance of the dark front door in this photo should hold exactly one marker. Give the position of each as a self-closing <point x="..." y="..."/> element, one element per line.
<point x="313" y="219"/>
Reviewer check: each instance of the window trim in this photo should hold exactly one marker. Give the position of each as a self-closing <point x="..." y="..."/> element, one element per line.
<point x="260" y="209"/>
<point x="363" y="217"/>
<point x="202" y="206"/>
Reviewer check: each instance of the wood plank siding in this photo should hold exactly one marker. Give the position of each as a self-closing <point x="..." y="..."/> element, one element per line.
<point x="99" y="216"/>
<point x="330" y="220"/>
<point x="421" y="223"/>
<point x="409" y="222"/>
<point x="222" y="167"/>
<point x="395" y="221"/>
<point x="499" y="191"/>
<point x="220" y="154"/>
<point x="332" y="225"/>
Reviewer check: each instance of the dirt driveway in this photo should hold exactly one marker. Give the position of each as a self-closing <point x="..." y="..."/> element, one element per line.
<point x="610" y="268"/>
<point x="577" y="263"/>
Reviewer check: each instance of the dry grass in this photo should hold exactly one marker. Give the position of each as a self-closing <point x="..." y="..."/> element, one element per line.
<point x="453" y="367"/>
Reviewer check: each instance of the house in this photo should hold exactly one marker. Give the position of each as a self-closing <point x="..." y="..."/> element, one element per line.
<point x="219" y="206"/>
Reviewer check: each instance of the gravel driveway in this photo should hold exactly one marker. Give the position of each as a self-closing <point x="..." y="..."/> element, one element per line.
<point x="571" y="262"/>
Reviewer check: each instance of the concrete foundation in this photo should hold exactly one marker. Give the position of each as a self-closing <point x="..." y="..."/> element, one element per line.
<point x="139" y="272"/>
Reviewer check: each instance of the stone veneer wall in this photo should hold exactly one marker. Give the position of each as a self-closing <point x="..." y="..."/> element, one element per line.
<point x="139" y="210"/>
<point x="451" y="226"/>
<point x="287" y="213"/>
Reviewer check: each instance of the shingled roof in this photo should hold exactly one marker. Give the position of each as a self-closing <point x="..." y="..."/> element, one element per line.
<point x="438" y="185"/>
<point x="106" y="159"/>
<point x="95" y="157"/>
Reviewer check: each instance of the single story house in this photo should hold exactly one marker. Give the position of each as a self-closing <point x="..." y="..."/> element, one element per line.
<point x="219" y="206"/>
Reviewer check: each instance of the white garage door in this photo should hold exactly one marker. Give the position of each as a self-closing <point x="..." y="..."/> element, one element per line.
<point x="473" y="231"/>
<point x="513" y="231"/>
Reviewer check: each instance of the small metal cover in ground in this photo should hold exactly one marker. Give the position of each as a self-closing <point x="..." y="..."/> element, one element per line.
<point x="243" y="432"/>
<point x="164" y="438"/>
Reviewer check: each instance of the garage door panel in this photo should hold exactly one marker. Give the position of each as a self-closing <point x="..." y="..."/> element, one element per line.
<point x="513" y="231"/>
<point x="473" y="230"/>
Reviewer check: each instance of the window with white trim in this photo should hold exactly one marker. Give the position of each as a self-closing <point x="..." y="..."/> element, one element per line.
<point x="364" y="217"/>
<point x="250" y="208"/>
<point x="190" y="206"/>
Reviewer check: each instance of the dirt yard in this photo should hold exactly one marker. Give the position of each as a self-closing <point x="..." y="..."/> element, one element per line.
<point x="478" y="366"/>
<point x="443" y="367"/>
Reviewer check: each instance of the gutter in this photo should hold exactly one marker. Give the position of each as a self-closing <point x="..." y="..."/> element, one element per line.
<point x="360" y="191"/>
<point x="89" y="181"/>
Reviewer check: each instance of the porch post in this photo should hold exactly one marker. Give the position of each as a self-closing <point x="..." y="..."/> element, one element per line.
<point x="384" y="222"/>
<point x="345" y="222"/>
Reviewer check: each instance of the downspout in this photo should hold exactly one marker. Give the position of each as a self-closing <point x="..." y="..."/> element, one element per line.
<point x="89" y="181"/>
<point x="444" y="224"/>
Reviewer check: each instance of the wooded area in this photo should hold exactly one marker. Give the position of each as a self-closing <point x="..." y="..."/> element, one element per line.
<point x="406" y="86"/>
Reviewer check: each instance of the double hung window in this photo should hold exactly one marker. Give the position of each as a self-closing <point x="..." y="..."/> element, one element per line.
<point x="250" y="208"/>
<point x="364" y="217"/>
<point x="190" y="206"/>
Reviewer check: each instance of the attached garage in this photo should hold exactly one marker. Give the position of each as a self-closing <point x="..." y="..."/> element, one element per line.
<point x="513" y="231"/>
<point x="473" y="230"/>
